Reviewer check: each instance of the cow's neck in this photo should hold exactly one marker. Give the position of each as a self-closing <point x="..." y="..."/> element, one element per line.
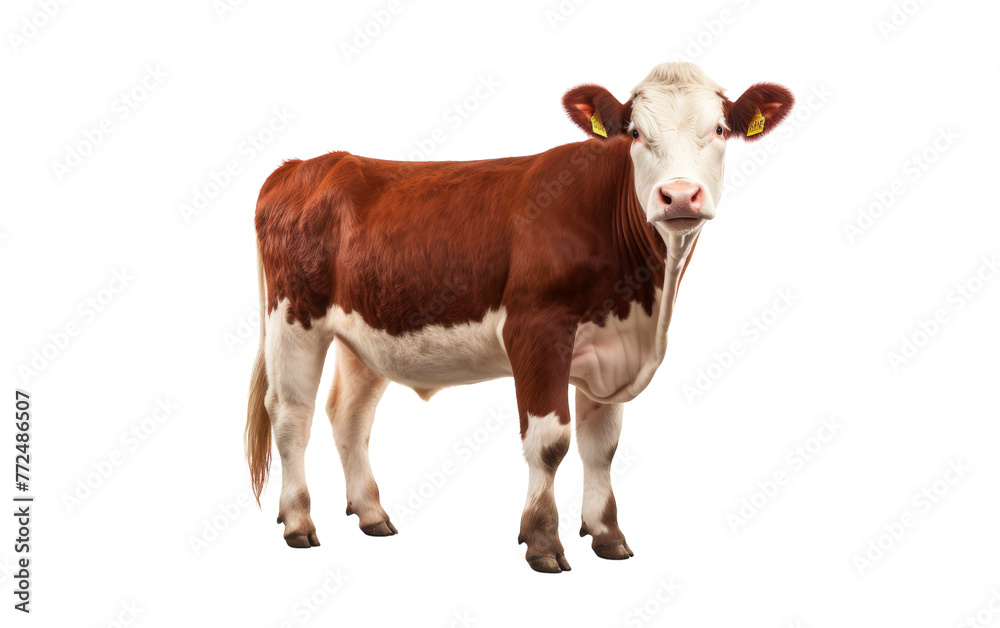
<point x="648" y="245"/>
<point x="642" y="248"/>
<point x="679" y="248"/>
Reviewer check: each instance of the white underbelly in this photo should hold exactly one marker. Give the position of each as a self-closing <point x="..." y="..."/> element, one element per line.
<point x="610" y="363"/>
<point x="431" y="358"/>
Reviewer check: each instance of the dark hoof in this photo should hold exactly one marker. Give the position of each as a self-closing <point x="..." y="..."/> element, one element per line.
<point x="609" y="546"/>
<point x="549" y="564"/>
<point x="563" y="562"/>
<point x="382" y="528"/>
<point x="615" y="551"/>
<point x="302" y="540"/>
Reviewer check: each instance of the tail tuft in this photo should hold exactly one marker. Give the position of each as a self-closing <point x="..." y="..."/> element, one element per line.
<point x="257" y="437"/>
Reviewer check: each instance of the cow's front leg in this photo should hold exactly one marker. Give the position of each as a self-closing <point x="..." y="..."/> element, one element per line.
<point x="540" y="360"/>
<point x="545" y="443"/>
<point x="598" y="427"/>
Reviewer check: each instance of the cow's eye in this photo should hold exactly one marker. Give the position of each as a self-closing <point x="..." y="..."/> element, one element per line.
<point x="718" y="130"/>
<point x="635" y="133"/>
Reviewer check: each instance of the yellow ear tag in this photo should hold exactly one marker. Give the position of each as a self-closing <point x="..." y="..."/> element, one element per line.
<point x="757" y="124"/>
<point x="598" y="126"/>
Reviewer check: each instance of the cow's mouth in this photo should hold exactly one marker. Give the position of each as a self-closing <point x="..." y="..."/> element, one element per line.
<point x="681" y="224"/>
<point x="680" y="213"/>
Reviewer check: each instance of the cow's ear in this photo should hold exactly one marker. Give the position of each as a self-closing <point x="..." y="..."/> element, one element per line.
<point x="758" y="111"/>
<point x="596" y="111"/>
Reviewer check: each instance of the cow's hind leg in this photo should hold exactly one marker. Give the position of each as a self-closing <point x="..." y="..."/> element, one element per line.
<point x="598" y="427"/>
<point x="540" y="364"/>
<point x="351" y="407"/>
<point x="295" y="357"/>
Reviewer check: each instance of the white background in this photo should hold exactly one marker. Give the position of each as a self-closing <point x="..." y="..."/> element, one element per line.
<point x="171" y="530"/>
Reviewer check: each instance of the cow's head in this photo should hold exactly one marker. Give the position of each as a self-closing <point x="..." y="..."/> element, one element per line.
<point x="678" y="121"/>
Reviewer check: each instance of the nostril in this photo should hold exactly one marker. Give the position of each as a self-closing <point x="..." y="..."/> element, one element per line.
<point x="696" y="198"/>
<point x="666" y="197"/>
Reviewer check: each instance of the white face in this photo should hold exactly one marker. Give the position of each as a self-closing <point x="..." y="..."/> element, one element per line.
<point x="678" y="133"/>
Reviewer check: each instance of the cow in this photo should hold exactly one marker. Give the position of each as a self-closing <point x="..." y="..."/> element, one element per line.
<point x="558" y="268"/>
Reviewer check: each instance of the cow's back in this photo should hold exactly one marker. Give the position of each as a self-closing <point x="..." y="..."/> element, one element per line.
<point x="403" y="244"/>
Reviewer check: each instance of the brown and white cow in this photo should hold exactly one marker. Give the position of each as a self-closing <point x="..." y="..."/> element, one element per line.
<point x="558" y="268"/>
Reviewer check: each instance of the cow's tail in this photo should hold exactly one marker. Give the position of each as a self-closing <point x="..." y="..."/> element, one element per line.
<point x="257" y="437"/>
